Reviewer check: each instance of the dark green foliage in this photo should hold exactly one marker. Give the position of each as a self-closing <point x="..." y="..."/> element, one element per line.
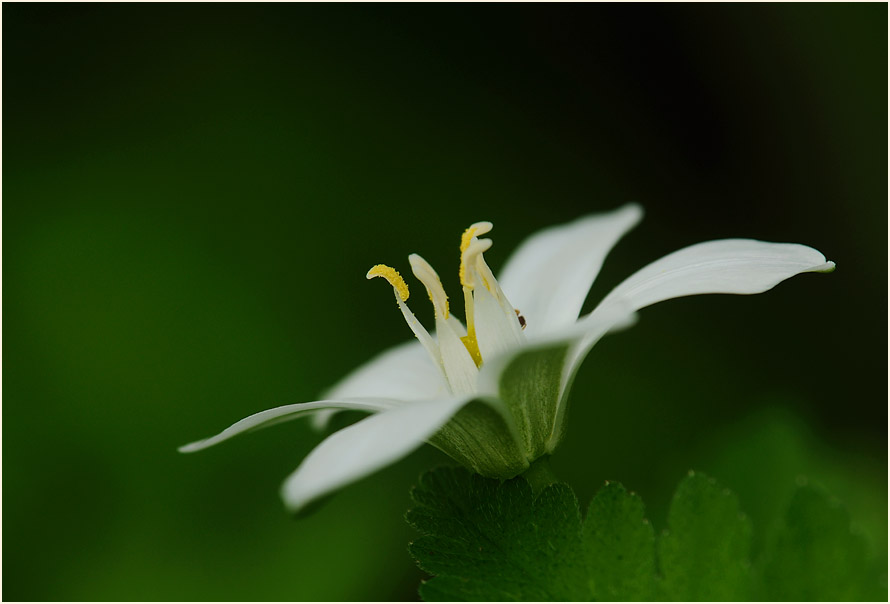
<point x="620" y="546"/>
<point x="814" y="555"/>
<point x="490" y="540"/>
<point x="704" y="553"/>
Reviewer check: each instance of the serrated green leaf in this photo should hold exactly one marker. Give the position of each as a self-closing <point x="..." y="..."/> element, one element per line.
<point x="813" y="555"/>
<point x="704" y="553"/>
<point x="487" y="540"/>
<point x="620" y="546"/>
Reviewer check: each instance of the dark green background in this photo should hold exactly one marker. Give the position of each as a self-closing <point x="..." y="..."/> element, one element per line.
<point x="193" y="193"/>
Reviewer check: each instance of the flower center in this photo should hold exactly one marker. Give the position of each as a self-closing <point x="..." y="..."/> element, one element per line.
<point x="492" y="325"/>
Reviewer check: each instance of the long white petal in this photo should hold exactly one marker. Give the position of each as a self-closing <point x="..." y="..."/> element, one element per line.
<point x="365" y="447"/>
<point x="726" y="266"/>
<point x="284" y="413"/>
<point x="736" y="266"/>
<point x="547" y="278"/>
<point x="404" y="372"/>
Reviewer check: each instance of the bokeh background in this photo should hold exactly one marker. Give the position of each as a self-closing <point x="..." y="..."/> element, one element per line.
<point x="192" y="195"/>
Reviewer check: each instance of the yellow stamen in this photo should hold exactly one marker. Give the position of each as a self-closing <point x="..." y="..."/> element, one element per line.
<point x="470" y="250"/>
<point x="469" y="260"/>
<point x="391" y="275"/>
<point x="468" y="309"/>
<point x="472" y="347"/>
<point x="479" y="228"/>
<point x="469" y="340"/>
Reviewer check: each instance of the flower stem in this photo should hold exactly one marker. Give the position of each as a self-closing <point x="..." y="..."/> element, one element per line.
<point x="540" y="475"/>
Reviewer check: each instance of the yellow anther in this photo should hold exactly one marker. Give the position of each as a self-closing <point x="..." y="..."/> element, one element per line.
<point x="469" y="258"/>
<point x="472" y="347"/>
<point x="474" y="230"/>
<point x="391" y="275"/>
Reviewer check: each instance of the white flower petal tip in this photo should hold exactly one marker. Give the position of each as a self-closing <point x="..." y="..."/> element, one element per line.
<point x="631" y="213"/>
<point x="725" y="266"/>
<point x="365" y="447"/>
<point x="191" y="447"/>
<point x="828" y="267"/>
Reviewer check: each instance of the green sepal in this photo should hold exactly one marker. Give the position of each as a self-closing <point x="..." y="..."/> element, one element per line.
<point x="481" y="438"/>
<point x="530" y="388"/>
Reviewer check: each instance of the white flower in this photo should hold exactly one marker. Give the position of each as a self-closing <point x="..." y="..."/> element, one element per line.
<point x="492" y="393"/>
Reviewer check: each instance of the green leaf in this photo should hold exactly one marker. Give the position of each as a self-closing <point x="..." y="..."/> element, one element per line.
<point x="704" y="552"/>
<point x="620" y="546"/>
<point x="814" y="555"/>
<point x="488" y="540"/>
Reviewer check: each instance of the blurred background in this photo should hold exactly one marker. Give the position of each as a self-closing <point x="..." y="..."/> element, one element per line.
<point x="192" y="195"/>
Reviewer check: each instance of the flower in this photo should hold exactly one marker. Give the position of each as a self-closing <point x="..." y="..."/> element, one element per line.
<point x="493" y="393"/>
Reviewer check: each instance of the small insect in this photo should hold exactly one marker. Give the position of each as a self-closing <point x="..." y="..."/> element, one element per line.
<point x="521" y="318"/>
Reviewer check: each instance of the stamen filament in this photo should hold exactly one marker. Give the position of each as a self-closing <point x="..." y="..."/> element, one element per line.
<point x="468" y="309"/>
<point x="400" y="289"/>
<point x="469" y="340"/>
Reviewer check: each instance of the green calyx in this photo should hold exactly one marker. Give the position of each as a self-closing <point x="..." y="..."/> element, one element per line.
<point x="503" y="438"/>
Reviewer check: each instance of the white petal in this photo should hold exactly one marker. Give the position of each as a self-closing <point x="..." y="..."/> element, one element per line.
<point x="549" y="275"/>
<point x="727" y="266"/>
<point x="321" y="419"/>
<point x="456" y="325"/>
<point x="277" y="415"/>
<point x="404" y="372"/>
<point x="459" y="366"/>
<point x="580" y="337"/>
<point x="496" y="331"/>
<point x="365" y="447"/>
